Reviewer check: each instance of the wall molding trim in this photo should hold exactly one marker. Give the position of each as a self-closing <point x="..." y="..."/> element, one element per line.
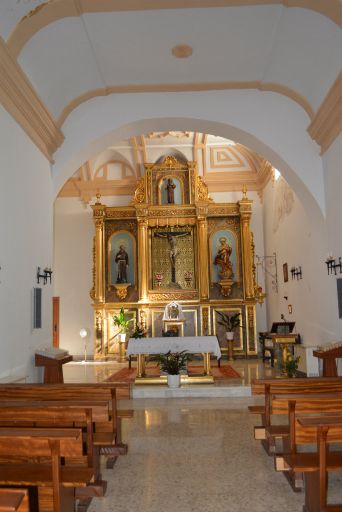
<point x="186" y="87"/>
<point x="326" y="126"/>
<point x="53" y="10"/>
<point x="21" y="101"/>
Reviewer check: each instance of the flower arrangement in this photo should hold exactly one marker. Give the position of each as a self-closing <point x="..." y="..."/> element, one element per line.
<point x="290" y="365"/>
<point x="139" y="331"/>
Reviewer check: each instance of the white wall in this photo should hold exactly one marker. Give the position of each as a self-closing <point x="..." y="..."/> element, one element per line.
<point x="299" y="241"/>
<point x="25" y="243"/>
<point x="73" y="262"/>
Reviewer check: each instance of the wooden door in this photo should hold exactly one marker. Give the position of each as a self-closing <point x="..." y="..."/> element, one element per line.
<point x="55" y="321"/>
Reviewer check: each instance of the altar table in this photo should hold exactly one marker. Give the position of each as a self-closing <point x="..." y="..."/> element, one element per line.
<point x="205" y="345"/>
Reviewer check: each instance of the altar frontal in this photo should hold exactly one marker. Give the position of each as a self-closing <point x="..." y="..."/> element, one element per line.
<point x="173" y="244"/>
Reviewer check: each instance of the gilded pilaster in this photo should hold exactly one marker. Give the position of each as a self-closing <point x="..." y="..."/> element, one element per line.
<point x="99" y="215"/>
<point x="245" y="206"/>
<point x="203" y="265"/>
<point x="143" y="258"/>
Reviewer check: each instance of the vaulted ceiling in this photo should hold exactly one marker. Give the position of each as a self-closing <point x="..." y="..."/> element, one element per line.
<point x="225" y="165"/>
<point x="73" y="50"/>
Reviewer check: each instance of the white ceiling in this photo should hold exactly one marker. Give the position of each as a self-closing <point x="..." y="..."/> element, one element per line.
<point x="296" y="48"/>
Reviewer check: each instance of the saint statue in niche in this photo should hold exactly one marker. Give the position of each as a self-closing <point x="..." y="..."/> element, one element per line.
<point x="121" y="259"/>
<point x="222" y="259"/>
<point x="170" y="187"/>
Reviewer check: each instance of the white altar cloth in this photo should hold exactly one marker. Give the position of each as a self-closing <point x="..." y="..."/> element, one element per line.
<point x="193" y="344"/>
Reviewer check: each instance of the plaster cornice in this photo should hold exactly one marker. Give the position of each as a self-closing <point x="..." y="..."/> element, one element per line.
<point x="54" y="10"/>
<point x="327" y="123"/>
<point x="186" y="87"/>
<point x="21" y="101"/>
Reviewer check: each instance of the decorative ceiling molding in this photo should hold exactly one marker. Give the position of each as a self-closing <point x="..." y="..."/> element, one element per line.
<point x="54" y="10"/>
<point x="21" y="101"/>
<point x="186" y="87"/>
<point x="327" y="123"/>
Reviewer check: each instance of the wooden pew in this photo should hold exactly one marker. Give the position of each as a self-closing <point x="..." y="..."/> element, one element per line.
<point x="64" y="415"/>
<point x="55" y="483"/>
<point x="14" y="500"/>
<point x="107" y="434"/>
<point x="270" y="387"/>
<point x="293" y="406"/>
<point x="324" y="430"/>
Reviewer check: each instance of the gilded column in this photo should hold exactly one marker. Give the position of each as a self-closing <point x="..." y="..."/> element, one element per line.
<point x="245" y="215"/>
<point x="143" y="259"/>
<point x="203" y="257"/>
<point x="99" y="215"/>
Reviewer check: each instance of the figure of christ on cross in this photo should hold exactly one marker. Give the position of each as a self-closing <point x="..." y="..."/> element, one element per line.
<point x="171" y="237"/>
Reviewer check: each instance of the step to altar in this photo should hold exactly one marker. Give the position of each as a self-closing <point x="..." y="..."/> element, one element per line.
<point x="188" y="391"/>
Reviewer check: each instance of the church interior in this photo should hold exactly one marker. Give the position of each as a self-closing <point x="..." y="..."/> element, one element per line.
<point x="170" y="176"/>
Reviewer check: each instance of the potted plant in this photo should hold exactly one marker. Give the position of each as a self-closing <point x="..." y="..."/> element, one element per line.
<point x="230" y="323"/>
<point x="172" y="363"/>
<point x="290" y="365"/>
<point x="122" y="322"/>
<point x="139" y="331"/>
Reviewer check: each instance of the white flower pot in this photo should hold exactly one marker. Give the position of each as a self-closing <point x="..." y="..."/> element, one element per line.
<point x="173" y="381"/>
<point x="230" y="340"/>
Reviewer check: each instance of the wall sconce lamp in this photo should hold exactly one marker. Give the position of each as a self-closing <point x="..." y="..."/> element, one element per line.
<point x="296" y="272"/>
<point x="268" y="265"/>
<point x="332" y="265"/>
<point x="47" y="273"/>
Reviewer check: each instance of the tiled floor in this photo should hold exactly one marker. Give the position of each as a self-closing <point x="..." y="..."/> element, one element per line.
<point x="193" y="454"/>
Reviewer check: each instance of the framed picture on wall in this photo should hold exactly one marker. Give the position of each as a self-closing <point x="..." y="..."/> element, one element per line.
<point x="285" y="273"/>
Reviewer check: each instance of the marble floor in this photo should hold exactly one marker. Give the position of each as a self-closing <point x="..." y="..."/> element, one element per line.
<point x="196" y="455"/>
<point x="91" y="371"/>
<point x="193" y="454"/>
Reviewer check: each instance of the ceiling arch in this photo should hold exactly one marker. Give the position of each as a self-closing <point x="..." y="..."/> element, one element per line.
<point x="224" y="130"/>
<point x="47" y="12"/>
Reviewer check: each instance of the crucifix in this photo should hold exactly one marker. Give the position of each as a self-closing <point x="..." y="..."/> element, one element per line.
<point x="171" y="237"/>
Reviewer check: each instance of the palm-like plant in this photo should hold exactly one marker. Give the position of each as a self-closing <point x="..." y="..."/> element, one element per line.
<point x="172" y="362"/>
<point x="229" y="322"/>
<point x="121" y="321"/>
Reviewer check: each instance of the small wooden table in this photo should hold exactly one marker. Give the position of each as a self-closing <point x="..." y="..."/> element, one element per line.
<point x="53" y="371"/>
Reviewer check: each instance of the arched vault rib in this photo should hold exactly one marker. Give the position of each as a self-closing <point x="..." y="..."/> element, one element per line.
<point x="54" y="10"/>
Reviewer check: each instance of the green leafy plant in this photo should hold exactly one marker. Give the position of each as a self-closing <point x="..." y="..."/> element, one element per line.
<point x="139" y="332"/>
<point x="229" y="322"/>
<point x="172" y="362"/>
<point x="290" y="365"/>
<point x="122" y="322"/>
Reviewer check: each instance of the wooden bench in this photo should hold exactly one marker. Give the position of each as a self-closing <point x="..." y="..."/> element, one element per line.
<point x="323" y="430"/>
<point x="293" y="406"/>
<point x="64" y="414"/>
<point x="14" y="500"/>
<point x="270" y="387"/>
<point x="108" y="433"/>
<point x="20" y="450"/>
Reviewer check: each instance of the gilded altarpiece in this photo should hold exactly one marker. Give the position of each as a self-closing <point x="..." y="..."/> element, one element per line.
<point x="173" y="243"/>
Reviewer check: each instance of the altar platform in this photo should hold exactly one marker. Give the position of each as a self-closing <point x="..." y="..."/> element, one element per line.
<point x="248" y="369"/>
